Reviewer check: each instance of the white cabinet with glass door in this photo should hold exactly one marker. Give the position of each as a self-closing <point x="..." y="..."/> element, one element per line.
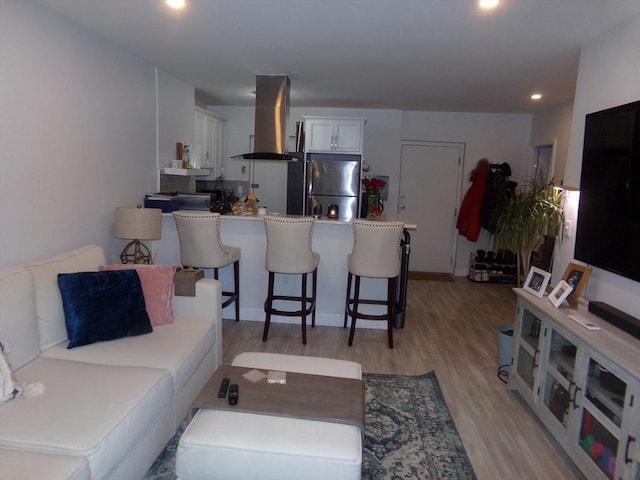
<point x="583" y="385"/>
<point x="336" y="135"/>
<point x="527" y="344"/>
<point x="607" y="415"/>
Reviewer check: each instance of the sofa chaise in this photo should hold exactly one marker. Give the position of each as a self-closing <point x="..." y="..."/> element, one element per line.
<point x="108" y="408"/>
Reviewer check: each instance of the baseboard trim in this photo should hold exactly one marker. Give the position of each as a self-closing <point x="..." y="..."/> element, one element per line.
<point x="432" y="276"/>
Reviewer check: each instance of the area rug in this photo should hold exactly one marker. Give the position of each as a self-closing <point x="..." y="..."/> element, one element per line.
<point x="409" y="433"/>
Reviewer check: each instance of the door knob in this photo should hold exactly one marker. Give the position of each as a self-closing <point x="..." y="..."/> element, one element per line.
<point x="402" y="207"/>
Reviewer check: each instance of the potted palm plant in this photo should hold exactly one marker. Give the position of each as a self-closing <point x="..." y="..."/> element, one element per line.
<point x="532" y="215"/>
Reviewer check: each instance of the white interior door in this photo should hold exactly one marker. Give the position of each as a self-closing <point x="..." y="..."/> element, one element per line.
<point x="430" y="179"/>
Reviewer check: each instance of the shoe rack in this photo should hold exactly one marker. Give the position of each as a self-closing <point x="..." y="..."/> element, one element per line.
<point x="493" y="267"/>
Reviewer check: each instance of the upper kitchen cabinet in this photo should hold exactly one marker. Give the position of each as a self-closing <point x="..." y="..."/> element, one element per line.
<point x="210" y="133"/>
<point x="336" y="135"/>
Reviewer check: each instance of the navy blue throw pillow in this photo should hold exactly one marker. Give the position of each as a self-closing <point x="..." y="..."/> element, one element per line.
<point x="100" y="306"/>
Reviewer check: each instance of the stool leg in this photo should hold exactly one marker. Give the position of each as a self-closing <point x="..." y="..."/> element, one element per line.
<point x="313" y="297"/>
<point x="236" y="281"/>
<point x="304" y="308"/>
<point x="354" y="313"/>
<point x="215" y="273"/>
<point x="391" y="295"/>
<point x="267" y="307"/>
<point x="346" y="305"/>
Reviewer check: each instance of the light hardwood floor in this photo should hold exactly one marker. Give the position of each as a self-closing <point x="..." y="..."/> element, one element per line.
<point x="450" y="328"/>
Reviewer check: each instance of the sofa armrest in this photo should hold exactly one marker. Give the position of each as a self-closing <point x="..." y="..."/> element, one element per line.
<point x="206" y="304"/>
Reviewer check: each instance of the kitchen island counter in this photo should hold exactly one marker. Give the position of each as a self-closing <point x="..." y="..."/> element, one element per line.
<point x="332" y="239"/>
<point x="321" y="220"/>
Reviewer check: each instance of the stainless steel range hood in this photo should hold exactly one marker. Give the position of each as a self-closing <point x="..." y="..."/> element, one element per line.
<point x="272" y="112"/>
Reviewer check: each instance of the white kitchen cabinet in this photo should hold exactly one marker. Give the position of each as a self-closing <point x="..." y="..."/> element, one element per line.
<point x="583" y="385"/>
<point x="210" y="133"/>
<point x="336" y="135"/>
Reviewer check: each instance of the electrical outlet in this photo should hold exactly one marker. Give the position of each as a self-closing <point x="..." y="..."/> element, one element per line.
<point x="568" y="232"/>
<point x="240" y="189"/>
<point x="243" y="169"/>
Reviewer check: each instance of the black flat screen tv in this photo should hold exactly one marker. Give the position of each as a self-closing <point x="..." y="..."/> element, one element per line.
<point x="608" y="225"/>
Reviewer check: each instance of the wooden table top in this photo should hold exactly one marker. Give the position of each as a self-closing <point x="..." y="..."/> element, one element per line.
<point x="311" y="397"/>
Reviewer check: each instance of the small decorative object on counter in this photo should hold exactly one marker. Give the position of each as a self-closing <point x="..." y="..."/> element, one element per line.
<point x="246" y="206"/>
<point x="333" y="212"/>
<point x="372" y="187"/>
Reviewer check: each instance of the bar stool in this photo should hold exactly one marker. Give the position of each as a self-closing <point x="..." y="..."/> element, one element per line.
<point x="289" y="252"/>
<point x="201" y="247"/>
<point x="376" y="254"/>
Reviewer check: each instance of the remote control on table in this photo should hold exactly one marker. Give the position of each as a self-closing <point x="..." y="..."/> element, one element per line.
<point x="233" y="394"/>
<point x="224" y="386"/>
<point x="584" y="322"/>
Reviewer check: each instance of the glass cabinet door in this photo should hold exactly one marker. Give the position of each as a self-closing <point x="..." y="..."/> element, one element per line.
<point x="602" y="416"/>
<point x="528" y="350"/>
<point x="558" y="385"/>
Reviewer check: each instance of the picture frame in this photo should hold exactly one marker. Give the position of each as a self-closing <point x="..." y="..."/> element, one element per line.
<point x="559" y="294"/>
<point x="576" y="276"/>
<point x="537" y="281"/>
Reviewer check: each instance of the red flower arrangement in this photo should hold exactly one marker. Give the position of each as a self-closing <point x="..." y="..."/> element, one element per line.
<point x="372" y="188"/>
<point x="373" y="185"/>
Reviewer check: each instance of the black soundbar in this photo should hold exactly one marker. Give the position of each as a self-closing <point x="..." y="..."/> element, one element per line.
<point x="615" y="317"/>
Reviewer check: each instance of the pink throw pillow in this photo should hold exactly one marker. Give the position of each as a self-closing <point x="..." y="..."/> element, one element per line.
<point x="157" y="287"/>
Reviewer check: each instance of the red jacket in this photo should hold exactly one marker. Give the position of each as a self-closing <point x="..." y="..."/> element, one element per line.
<point x="468" y="223"/>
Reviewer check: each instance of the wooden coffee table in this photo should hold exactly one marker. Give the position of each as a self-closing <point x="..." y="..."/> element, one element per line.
<point x="311" y="397"/>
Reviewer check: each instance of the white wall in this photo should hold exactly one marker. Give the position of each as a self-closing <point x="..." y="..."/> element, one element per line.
<point x="176" y="118"/>
<point x="552" y="125"/>
<point x="77" y="134"/>
<point x="608" y="76"/>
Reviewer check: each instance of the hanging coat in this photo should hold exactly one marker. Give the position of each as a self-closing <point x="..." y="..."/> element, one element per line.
<point x="468" y="223"/>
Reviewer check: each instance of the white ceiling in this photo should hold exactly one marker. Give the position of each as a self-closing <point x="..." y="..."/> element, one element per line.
<point x="441" y="55"/>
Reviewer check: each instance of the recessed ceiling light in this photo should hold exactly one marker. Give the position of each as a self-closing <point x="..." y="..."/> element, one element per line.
<point x="536" y="96"/>
<point x="176" y="3"/>
<point x="488" y="4"/>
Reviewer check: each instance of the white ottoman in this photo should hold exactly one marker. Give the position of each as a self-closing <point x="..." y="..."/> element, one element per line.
<point x="233" y="445"/>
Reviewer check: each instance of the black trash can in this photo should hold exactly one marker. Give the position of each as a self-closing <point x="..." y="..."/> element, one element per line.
<point x="401" y="297"/>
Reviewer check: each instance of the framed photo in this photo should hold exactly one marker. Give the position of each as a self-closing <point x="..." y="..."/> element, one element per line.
<point x="560" y="293"/>
<point x="576" y="276"/>
<point x="537" y="281"/>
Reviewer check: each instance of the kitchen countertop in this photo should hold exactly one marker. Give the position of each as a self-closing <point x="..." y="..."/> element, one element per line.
<point x="321" y="220"/>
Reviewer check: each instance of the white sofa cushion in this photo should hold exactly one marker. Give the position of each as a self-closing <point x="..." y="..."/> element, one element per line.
<point x="18" y="328"/>
<point x="20" y="464"/>
<point x="48" y="300"/>
<point x="99" y="412"/>
<point x="178" y="347"/>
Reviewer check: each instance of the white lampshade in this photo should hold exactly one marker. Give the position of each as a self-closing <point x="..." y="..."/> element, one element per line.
<point x="138" y="223"/>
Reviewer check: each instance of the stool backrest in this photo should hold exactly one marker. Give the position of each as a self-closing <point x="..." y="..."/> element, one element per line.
<point x="289" y="245"/>
<point x="200" y="244"/>
<point x="376" y="249"/>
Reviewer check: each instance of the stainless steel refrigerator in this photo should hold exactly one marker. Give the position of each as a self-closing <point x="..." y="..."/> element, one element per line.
<point x="333" y="180"/>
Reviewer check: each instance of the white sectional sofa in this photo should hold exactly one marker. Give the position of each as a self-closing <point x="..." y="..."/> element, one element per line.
<point x="108" y="408"/>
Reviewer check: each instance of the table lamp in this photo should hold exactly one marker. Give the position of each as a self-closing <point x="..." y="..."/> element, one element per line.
<point x="137" y="224"/>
